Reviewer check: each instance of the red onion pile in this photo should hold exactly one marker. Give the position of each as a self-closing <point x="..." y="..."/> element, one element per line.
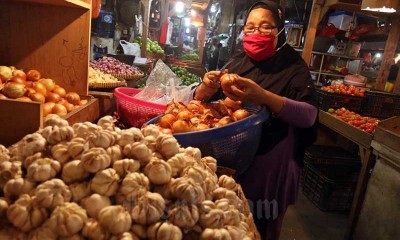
<point x="113" y="66"/>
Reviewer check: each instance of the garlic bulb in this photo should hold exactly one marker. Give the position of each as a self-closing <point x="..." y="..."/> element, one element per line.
<point x="29" y="160"/>
<point x="197" y="174"/>
<point x="82" y="130"/>
<point x="73" y="171"/>
<point x="210" y="162"/>
<point x="106" y="123"/>
<point x="11" y="233"/>
<point x="228" y="183"/>
<point x="179" y="162"/>
<point x="234" y="200"/>
<point x="185" y="189"/>
<point x="236" y="233"/>
<point x="4" y="154"/>
<point x="31" y="144"/>
<point x="195" y="153"/>
<point x="129" y="136"/>
<point x="125" y="166"/>
<point x="115" y="153"/>
<point x="79" y="191"/>
<point x="151" y="143"/>
<point x="164" y="231"/>
<point x="76" y="236"/>
<point x="164" y="190"/>
<point x="92" y="230"/>
<point x="167" y="145"/>
<point x="94" y="203"/>
<point x="95" y="159"/>
<point x="43" y="232"/>
<point x="25" y="214"/>
<point x="151" y="130"/>
<point x="60" y="152"/>
<point x="138" y="151"/>
<point x="105" y="182"/>
<point x="43" y="169"/>
<point x="183" y="215"/>
<point x="67" y="219"/>
<point x="52" y="193"/>
<point x="210" y="184"/>
<point x="212" y="219"/>
<point x="102" y="139"/>
<point x="215" y="234"/>
<point x="134" y="185"/>
<point x="16" y="187"/>
<point x="76" y="147"/>
<point x="139" y="230"/>
<point x="158" y="171"/>
<point x="149" y="209"/>
<point x="9" y="170"/>
<point x="115" y="219"/>
<point x="55" y="134"/>
<point x="53" y="120"/>
<point x="125" y="236"/>
<point x="3" y="208"/>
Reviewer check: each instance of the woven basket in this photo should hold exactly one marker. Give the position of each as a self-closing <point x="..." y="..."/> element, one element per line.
<point x="108" y="85"/>
<point x="155" y="56"/>
<point x="129" y="77"/>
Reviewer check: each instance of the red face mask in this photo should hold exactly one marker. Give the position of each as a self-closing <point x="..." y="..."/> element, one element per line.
<point x="259" y="46"/>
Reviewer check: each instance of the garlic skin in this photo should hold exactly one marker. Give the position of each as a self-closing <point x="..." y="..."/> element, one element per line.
<point x="76" y="147"/>
<point x="228" y="183"/>
<point x="212" y="219"/>
<point x="236" y="233"/>
<point x="53" y="120"/>
<point x="72" y="237"/>
<point x="25" y="214"/>
<point x="10" y="232"/>
<point x="3" y="208"/>
<point x="94" y="203"/>
<point x="167" y="145"/>
<point x="197" y="174"/>
<point x="215" y="234"/>
<point x="115" y="219"/>
<point x="67" y="219"/>
<point x="185" y="189"/>
<point x="195" y="153"/>
<point x="125" y="236"/>
<point x="43" y="169"/>
<point x="158" y="171"/>
<point x="9" y="170"/>
<point x="92" y="230"/>
<point x="55" y="134"/>
<point x="134" y="185"/>
<point x="210" y="184"/>
<point x="42" y="232"/>
<point x="138" y="151"/>
<point x="151" y="130"/>
<point x="31" y="144"/>
<point x="14" y="188"/>
<point x="82" y="130"/>
<point x="101" y="139"/>
<point x="52" y="193"/>
<point x="179" y="162"/>
<point x="234" y="200"/>
<point x="79" y="191"/>
<point x="139" y="230"/>
<point x="149" y="209"/>
<point x="115" y="153"/>
<point x="164" y="231"/>
<point x="129" y="136"/>
<point x="105" y="182"/>
<point x="95" y="160"/>
<point x="60" y="152"/>
<point x="210" y="162"/>
<point x="106" y="123"/>
<point x="73" y="171"/>
<point x="29" y="160"/>
<point x="126" y="166"/>
<point x="4" y="154"/>
<point x="183" y="215"/>
<point x="164" y="190"/>
<point x="151" y="143"/>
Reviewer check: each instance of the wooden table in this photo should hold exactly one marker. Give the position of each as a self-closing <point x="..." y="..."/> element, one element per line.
<point x="363" y="140"/>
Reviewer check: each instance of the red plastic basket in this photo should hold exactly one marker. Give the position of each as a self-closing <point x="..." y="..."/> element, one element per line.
<point x="134" y="112"/>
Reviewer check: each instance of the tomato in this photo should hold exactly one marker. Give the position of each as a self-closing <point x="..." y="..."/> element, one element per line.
<point x="33" y="75"/>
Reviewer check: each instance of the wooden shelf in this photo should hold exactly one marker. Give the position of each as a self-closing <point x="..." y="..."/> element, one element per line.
<point x="63" y="3"/>
<point x="331" y="54"/>
<point x="327" y="74"/>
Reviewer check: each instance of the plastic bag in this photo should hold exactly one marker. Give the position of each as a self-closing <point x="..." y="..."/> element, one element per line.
<point x="130" y="48"/>
<point x="163" y="86"/>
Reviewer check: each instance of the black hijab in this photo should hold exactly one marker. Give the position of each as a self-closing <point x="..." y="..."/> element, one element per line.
<point x="285" y="74"/>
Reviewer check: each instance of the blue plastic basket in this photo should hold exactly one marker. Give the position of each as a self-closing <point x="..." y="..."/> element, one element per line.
<point x="233" y="145"/>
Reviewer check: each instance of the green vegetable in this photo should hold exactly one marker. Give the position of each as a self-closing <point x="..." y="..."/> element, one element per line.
<point x="186" y="77"/>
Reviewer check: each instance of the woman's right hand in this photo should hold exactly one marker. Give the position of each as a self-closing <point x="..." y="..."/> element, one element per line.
<point x="210" y="84"/>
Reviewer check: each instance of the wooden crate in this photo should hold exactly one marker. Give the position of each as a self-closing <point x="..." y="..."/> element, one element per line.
<point x="388" y="133"/>
<point x="52" y="36"/>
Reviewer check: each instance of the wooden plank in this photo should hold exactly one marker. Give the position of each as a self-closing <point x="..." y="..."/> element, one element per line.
<point x="388" y="133"/>
<point x="87" y="113"/>
<point x="65" y="3"/>
<point x="388" y="55"/>
<point x="59" y="50"/>
<point x="312" y="29"/>
<point x="396" y="88"/>
<point x="107" y="102"/>
<point x="146" y="17"/>
<point x="391" y="155"/>
<point x="354" y="134"/>
<point x="18" y="119"/>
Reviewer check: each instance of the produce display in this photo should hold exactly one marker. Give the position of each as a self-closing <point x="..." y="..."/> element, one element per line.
<point x="367" y="124"/>
<point x="343" y="89"/>
<point x="198" y="116"/>
<point x="190" y="56"/>
<point x="151" y="46"/>
<point x="186" y="77"/>
<point x="98" y="79"/>
<point x="31" y="86"/>
<point x="95" y="181"/>
<point x="113" y="66"/>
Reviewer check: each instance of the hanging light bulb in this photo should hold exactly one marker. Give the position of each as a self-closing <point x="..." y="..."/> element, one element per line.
<point x="179" y="6"/>
<point x="213" y="8"/>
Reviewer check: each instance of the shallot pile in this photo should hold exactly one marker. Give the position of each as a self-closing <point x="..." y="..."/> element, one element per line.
<point x="89" y="181"/>
<point x="113" y="66"/>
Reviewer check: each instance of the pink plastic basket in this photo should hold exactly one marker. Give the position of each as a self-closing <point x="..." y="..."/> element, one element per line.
<point x="135" y="112"/>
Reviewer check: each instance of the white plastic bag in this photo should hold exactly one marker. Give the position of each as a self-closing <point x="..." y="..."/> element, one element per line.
<point x="130" y="48"/>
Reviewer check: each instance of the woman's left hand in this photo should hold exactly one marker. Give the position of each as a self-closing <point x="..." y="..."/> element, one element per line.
<point x="246" y="90"/>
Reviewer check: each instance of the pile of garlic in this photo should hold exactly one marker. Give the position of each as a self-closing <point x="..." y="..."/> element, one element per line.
<point x="97" y="76"/>
<point x="90" y="181"/>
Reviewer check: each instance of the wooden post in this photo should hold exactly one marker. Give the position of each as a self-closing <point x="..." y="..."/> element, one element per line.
<point x="312" y="29"/>
<point x="396" y="88"/>
<point x="388" y="55"/>
<point x="146" y="15"/>
<point x="202" y="38"/>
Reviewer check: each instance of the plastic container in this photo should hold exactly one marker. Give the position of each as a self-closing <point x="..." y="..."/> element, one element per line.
<point x="135" y="112"/>
<point x="328" y="100"/>
<point x="233" y="145"/>
<point x="341" y="19"/>
<point x="381" y="104"/>
<point x="330" y="177"/>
